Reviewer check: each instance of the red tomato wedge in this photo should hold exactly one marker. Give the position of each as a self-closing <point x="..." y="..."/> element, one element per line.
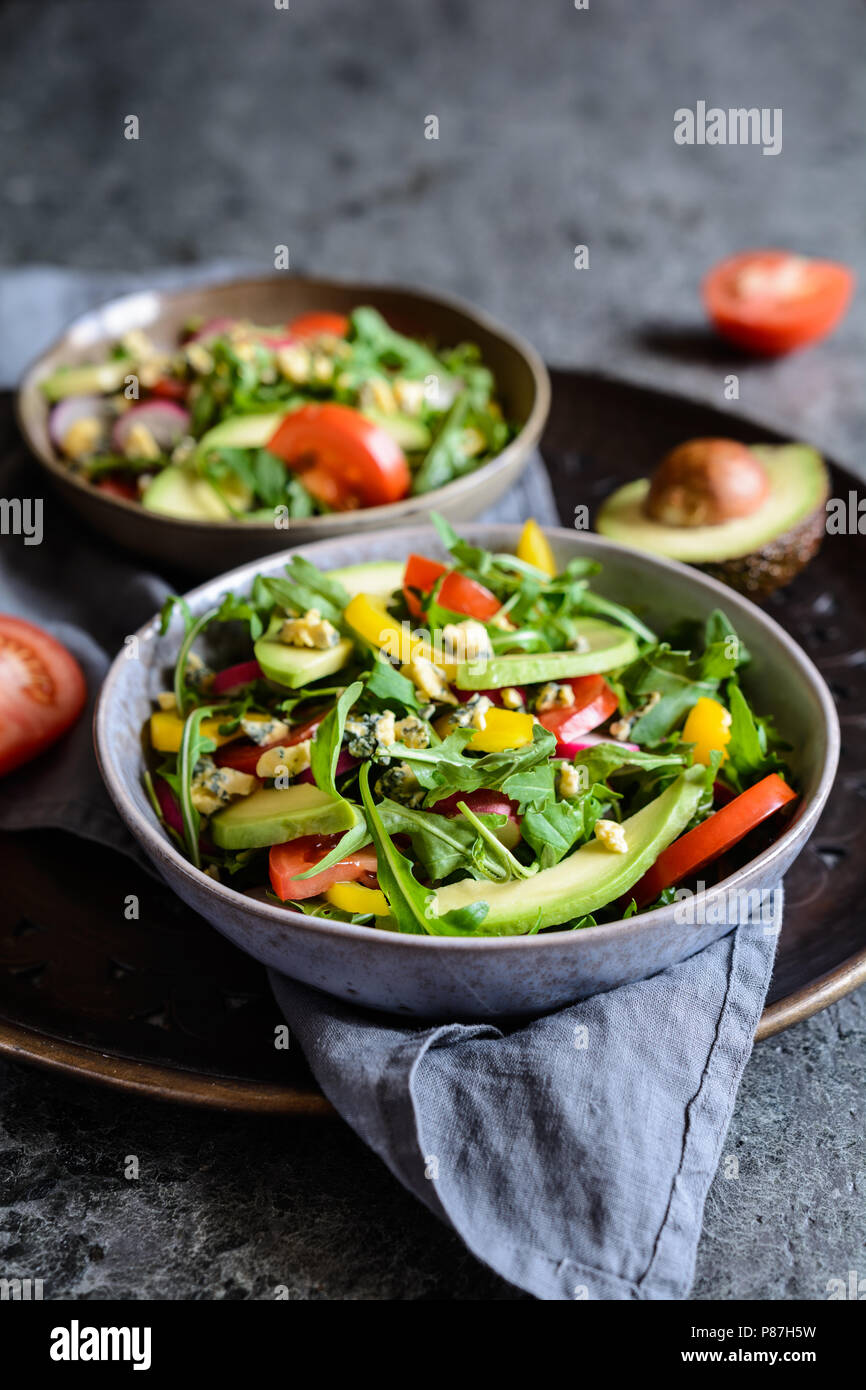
<point x="458" y="593"/>
<point x="594" y="701"/>
<point x="170" y="388"/>
<point x="119" y="487"/>
<point x="713" y="837"/>
<point x="244" y="755"/>
<point x="771" y="302"/>
<point x="318" y="324"/>
<point x="342" y="457"/>
<point x="42" y="691"/>
<point x="299" y="855"/>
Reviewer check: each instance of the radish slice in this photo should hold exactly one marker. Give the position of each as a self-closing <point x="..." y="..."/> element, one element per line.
<point x="344" y="763"/>
<point x="166" y="421"/>
<point x="482" y="803"/>
<point x="568" y="750"/>
<point x="214" y="328"/>
<point x="171" y="812"/>
<point x="233" y="677"/>
<point x="76" y="408"/>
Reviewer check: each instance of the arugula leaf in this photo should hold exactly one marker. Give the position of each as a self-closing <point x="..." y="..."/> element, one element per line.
<point x="328" y="741"/>
<point x="603" y="759"/>
<point x="443" y="768"/>
<point x="192" y="745"/>
<point x="512" y="867"/>
<point x="307" y="587"/>
<point x="446" y="458"/>
<point x="752" y="747"/>
<point x="442" y="844"/>
<point x="410" y="902"/>
<point x="386" y="686"/>
<point x="672" y="675"/>
<point x="553" y="829"/>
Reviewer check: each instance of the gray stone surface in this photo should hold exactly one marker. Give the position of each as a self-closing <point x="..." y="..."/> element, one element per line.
<point x="306" y="127"/>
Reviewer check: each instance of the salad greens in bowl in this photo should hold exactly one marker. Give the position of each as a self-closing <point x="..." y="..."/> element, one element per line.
<point x="466" y="773"/>
<point x="225" y="422"/>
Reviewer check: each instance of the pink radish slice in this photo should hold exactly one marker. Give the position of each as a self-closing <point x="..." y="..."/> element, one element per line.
<point x="494" y="695"/>
<point x="171" y="812"/>
<point x="214" y="328"/>
<point x="568" y="750"/>
<point x="233" y="677"/>
<point x="483" y="803"/>
<point x="344" y="763"/>
<point x="67" y="413"/>
<point x="166" y="421"/>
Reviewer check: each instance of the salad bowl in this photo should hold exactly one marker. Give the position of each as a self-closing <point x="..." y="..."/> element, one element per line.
<point x="503" y="976"/>
<point x="204" y="547"/>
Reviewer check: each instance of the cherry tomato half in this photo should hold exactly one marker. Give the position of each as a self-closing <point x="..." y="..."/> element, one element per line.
<point x="342" y="457"/>
<point x="42" y="691"/>
<point x="284" y="861"/>
<point x="319" y="324"/>
<point x="771" y="302"/>
<point x="713" y="837"/>
<point x="458" y="593"/>
<point x="594" y="701"/>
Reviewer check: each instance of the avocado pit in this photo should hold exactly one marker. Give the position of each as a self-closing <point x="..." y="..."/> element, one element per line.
<point x="706" y="482"/>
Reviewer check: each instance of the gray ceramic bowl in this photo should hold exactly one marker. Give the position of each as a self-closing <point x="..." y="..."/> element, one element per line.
<point x="441" y="977"/>
<point x="207" y="547"/>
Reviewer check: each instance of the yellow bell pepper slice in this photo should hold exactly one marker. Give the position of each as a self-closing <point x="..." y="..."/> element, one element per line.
<point x="708" y="727"/>
<point x="534" y="548"/>
<point x="166" y="731"/>
<point x="366" y="616"/>
<point x="503" y="729"/>
<point x="353" y="897"/>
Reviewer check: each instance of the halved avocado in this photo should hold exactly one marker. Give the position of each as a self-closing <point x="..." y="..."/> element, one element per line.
<point x="297" y="666"/>
<point x="588" y="879"/>
<point x="379" y="578"/>
<point x="178" y="492"/>
<point x="607" y="648"/>
<point x="273" y="815"/>
<point x="754" y="554"/>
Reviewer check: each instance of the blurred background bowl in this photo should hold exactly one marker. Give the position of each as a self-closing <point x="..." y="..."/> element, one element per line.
<point x="209" y="547"/>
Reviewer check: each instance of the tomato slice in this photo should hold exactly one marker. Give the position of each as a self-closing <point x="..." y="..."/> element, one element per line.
<point x="420" y="573"/>
<point x="594" y="701"/>
<point x="713" y="837"/>
<point x="319" y="324"/>
<point x="42" y="691"/>
<point x="458" y="593"/>
<point x="771" y="302"/>
<point x="170" y="388"/>
<point x="244" y="755"/>
<point x="284" y="861"/>
<point x="342" y="457"/>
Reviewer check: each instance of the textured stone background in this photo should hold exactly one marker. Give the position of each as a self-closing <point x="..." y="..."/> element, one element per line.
<point x="305" y="127"/>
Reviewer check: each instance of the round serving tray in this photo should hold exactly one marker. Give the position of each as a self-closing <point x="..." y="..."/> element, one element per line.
<point x="164" y="1006"/>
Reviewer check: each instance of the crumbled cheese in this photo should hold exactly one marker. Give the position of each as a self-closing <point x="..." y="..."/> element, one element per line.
<point x="571" y="780"/>
<point x="612" y="836"/>
<point x="213" y="787"/>
<point x="413" y="732"/>
<point x="621" y="728"/>
<point x="367" y="733"/>
<point x="294" y="361"/>
<point x="199" y="676"/>
<point x="149" y="372"/>
<point x="429" y="679"/>
<point x="82" y="438"/>
<point x="472" y="442"/>
<point x="264" y="730"/>
<point x="377" y="393"/>
<point x="166" y="700"/>
<point x="472" y="714"/>
<point x="401" y="784"/>
<point x="580" y="643"/>
<point x="312" y="630"/>
<point x="554" y="696"/>
<point x="409" y="396"/>
<point x="183" y="450"/>
<point x="140" y="443"/>
<point x="512" y="698"/>
<point x="199" y="358"/>
<point x="466" y="641"/>
<point x="290" y="760"/>
<point x="323" y="368"/>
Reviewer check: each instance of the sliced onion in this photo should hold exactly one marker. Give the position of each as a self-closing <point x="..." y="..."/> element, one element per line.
<point x="167" y="421"/>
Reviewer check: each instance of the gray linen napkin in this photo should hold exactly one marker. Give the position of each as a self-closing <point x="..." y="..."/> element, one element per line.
<point x="575" y="1171"/>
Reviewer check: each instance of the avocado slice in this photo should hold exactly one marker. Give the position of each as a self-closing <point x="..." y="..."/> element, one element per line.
<point x="177" y="492"/>
<point x="297" y="666"/>
<point x="378" y="578"/>
<point x="589" y="878"/>
<point x="609" y="648"/>
<point x="241" y="432"/>
<point x="92" y="379"/>
<point x="412" y="435"/>
<point x="273" y="815"/>
<point x="755" y="554"/>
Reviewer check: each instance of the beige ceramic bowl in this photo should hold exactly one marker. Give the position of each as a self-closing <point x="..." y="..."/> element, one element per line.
<point x="208" y="548"/>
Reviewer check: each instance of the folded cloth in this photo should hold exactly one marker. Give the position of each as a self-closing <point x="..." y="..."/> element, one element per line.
<point x="573" y="1153"/>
